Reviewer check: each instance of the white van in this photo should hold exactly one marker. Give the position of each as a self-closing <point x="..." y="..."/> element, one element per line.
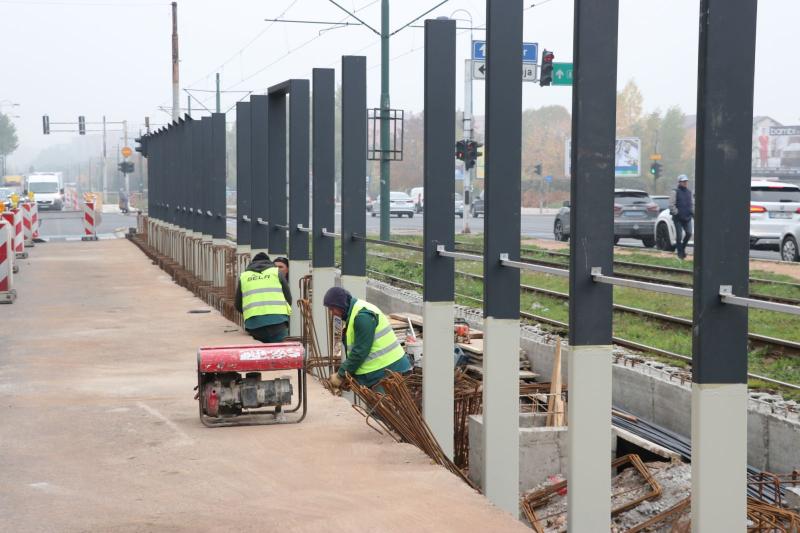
<point x="417" y="194"/>
<point x="47" y="190"/>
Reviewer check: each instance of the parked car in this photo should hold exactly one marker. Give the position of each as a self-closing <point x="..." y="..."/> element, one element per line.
<point x="661" y="201"/>
<point x="634" y="214"/>
<point x="774" y="208"/>
<point x="790" y="251"/>
<point x="476" y="208"/>
<point x="459" y="206"/>
<point x="399" y="204"/>
<point x="418" y="196"/>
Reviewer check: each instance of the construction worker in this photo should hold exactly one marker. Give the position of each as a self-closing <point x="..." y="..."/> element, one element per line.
<point x="263" y="296"/>
<point x="371" y="347"/>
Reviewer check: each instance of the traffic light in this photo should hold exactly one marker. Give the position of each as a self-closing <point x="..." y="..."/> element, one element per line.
<point x="546" y="74"/>
<point x="655" y="169"/>
<point x="81" y="125"/>
<point x="472" y="153"/>
<point x="538" y="169"/>
<point x="461" y="150"/>
<point x="126" y="167"/>
<point x="45" y="124"/>
<point x="141" y="145"/>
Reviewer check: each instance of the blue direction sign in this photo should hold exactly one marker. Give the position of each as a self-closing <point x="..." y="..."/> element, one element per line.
<point x="530" y="51"/>
<point x="549" y="179"/>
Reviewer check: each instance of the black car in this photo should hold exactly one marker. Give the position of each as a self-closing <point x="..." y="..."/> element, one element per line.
<point x="477" y="206"/>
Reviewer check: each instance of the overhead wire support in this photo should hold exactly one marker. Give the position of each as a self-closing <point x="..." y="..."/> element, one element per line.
<point x="376" y="32"/>
<point x="401" y="28"/>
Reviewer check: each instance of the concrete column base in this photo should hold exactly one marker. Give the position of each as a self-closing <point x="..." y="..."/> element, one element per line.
<point x="254" y="251"/>
<point x="719" y="457"/>
<point x="357" y="285"/>
<point x="589" y="439"/>
<point x="242" y="248"/>
<point x="298" y="269"/>
<point x="501" y="412"/>
<point x="437" y="372"/>
<point x="323" y="278"/>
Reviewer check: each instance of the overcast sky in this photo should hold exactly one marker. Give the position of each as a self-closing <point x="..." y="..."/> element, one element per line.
<point x="67" y="58"/>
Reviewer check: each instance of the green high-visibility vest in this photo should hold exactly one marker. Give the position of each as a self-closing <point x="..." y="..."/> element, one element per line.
<point x="262" y="294"/>
<point x="385" y="349"/>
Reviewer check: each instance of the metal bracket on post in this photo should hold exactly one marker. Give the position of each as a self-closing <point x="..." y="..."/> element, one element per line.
<point x="246" y="218"/>
<point x="727" y="297"/>
<point x="599" y="277"/>
<point x="304" y="229"/>
<point x="284" y="227"/>
<point x="457" y="255"/>
<point x="262" y="222"/>
<point x="209" y="213"/>
<point x="333" y="235"/>
<point x="505" y="261"/>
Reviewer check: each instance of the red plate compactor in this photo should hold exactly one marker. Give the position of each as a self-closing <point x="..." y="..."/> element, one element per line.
<point x="231" y="389"/>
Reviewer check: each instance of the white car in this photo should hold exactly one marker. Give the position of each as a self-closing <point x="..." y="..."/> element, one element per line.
<point x="47" y="190"/>
<point x="790" y="251"/>
<point x="418" y="196"/>
<point x="399" y="204"/>
<point x="774" y="208"/>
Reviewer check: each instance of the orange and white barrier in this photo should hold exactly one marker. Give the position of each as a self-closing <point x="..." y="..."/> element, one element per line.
<point x="8" y="217"/>
<point x="35" y="220"/>
<point x="19" y="238"/>
<point x="27" y="224"/>
<point x="71" y="201"/>
<point x="89" y="222"/>
<point x="7" y="292"/>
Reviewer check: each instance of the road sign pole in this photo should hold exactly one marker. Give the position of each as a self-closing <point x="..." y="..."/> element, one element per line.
<point x="467" y="135"/>
<point x="385" y="178"/>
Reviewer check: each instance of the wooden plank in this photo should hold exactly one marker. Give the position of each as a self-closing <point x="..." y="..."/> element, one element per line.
<point x="555" y="406"/>
<point x="646" y="444"/>
<point x="523" y="374"/>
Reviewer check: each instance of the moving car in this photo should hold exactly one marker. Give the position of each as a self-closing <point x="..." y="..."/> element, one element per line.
<point x="47" y="190"/>
<point x="634" y="214"/>
<point x="476" y="209"/>
<point x="399" y="204"/>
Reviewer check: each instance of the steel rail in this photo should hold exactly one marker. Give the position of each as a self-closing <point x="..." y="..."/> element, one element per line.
<point x="393" y="244"/>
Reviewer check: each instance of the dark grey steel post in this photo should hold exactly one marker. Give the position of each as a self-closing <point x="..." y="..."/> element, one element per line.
<point x="259" y="184"/>
<point x="276" y="143"/>
<point x="219" y="174"/>
<point x="298" y="172"/>
<point x="186" y="175"/>
<point x="354" y="173"/>
<point x="501" y="284"/>
<point x="207" y="176"/>
<point x="594" y="95"/>
<point x="439" y="228"/>
<point x="323" y="197"/>
<point x="197" y="177"/>
<point x="719" y="349"/>
<point x="243" y="177"/>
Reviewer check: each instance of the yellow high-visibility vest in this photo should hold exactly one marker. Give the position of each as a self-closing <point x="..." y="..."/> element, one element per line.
<point x="262" y="294"/>
<point x="385" y="348"/>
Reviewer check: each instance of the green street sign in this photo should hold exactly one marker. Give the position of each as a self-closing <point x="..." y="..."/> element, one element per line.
<point x="562" y="73"/>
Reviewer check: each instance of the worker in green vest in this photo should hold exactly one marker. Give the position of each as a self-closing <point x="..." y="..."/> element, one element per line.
<point x="263" y="296"/>
<point x="370" y="344"/>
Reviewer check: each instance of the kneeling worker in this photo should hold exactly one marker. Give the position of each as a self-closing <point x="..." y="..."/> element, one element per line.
<point x="263" y="296"/>
<point x="370" y="344"/>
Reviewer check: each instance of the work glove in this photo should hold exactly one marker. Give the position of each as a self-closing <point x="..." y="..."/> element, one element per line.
<point x="336" y="380"/>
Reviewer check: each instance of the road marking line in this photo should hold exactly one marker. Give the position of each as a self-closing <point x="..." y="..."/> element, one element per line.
<point x="170" y="423"/>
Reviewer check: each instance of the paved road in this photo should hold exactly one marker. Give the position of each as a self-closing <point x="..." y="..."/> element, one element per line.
<point x="533" y="226"/>
<point x="65" y="224"/>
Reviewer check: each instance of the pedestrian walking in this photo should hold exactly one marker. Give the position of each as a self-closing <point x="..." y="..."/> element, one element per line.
<point x="681" y="207"/>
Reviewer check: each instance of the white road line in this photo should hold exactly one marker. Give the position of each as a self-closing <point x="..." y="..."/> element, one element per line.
<point x="186" y="438"/>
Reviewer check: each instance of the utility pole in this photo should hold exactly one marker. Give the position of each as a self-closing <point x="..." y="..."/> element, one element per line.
<point x="189" y="105"/>
<point x="176" y="106"/>
<point x="385" y="177"/>
<point x="218" y="95"/>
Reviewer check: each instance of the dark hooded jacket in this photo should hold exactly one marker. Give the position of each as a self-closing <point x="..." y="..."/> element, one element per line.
<point x="260" y="263"/>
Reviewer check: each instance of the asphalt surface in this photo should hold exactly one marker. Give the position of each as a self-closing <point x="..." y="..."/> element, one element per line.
<point x="532" y="226"/>
<point x="69" y="224"/>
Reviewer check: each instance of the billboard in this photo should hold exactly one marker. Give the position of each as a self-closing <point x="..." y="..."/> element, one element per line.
<point x="776" y="149"/>
<point x="627" y="157"/>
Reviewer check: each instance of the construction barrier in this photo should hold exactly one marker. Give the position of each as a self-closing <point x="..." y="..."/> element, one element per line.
<point x="7" y="292"/>
<point x="8" y="217"/>
<point x="27" y="224"/>
<point x="71" y="200"/>
<point x="89" y="222"/>
<point x="35" y="220"/>
<point x="19" y="237"/>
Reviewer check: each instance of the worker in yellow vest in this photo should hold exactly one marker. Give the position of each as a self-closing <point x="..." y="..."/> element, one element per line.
<point x="263" y="296"/>
<point x="370" y="344"/>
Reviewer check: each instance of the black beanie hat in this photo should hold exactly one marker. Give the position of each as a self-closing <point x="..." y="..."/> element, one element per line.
<point x="261" y="256"/>
<point x="337" y="297"/>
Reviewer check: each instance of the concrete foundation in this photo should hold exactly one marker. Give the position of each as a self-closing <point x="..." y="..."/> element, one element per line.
<point x="437" y="372"/>
<point x="501" y="412"/>
<point x="719" y="453"/>
<point x="298" y="269"/>
<point x="357" y="285"/>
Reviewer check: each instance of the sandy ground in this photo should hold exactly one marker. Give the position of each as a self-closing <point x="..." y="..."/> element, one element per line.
<point x="100" y="431"/>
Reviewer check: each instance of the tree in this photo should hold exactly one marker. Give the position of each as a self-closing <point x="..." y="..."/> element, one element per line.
<point x="671" y="144"/>
<point x="8" y="136"/>
<point x="629" y="108"/>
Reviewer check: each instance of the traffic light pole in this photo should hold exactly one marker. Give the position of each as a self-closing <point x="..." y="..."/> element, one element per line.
<point x="467" y="135"/>
<point x="385" y="177"/>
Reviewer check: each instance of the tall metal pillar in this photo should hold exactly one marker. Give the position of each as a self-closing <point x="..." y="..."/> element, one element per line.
<point x="719" y="348"/>
<point x="323" y="197"/>
<point x="276" y="165"/>
<point x="243" y="170"/>
<point x="198" y="218"/>
<point x="182" y="161"/>
<point x="594" y="95"/>
<point x="219" y="173"/>
<point x="501" y="284"/>
<point x="258" y="186"/>
<point x="298" y="192"/>
<point x="207" y="176"/>
<point x="439" y="229"/>
<point x="354" y="174"/>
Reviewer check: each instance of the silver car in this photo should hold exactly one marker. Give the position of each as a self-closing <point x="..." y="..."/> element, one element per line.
<point x="399" y="204"/>
<point x="790" y="241"/>
<point x="774" y="208"/>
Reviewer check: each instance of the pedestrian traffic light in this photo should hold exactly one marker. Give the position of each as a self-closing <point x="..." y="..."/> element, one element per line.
<point x="81" y="125"/>
<point x="546" y="74"/>
<point x="472" y="153"/>
<point x="461" y="150"/>
<point x="46" y="124"/>
<point x="655" y="169"/>
<point x="538" y="169"/>
<point x="126" y="167"/>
